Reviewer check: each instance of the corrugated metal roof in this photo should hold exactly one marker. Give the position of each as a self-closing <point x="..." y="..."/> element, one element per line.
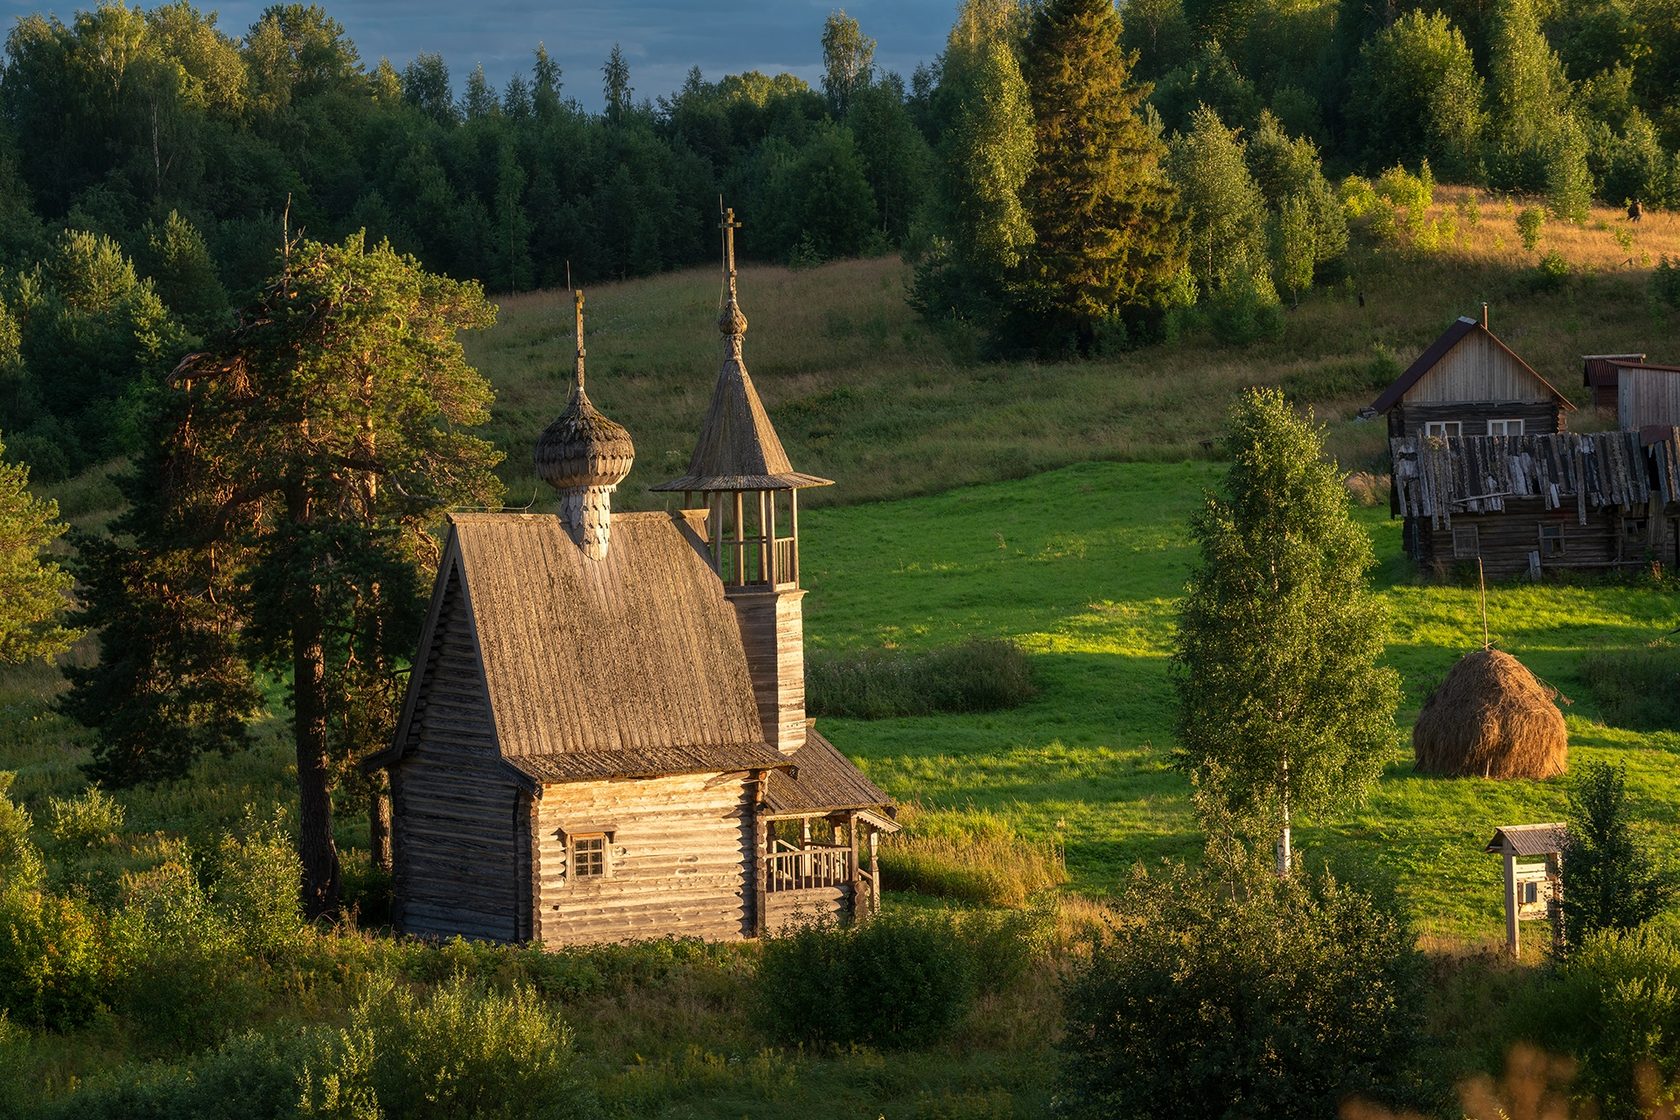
<point x="1438" y="349"/>
<point x="823" y="780"/>
<point x="637" y="651"/>
<point x="1529" y="839"/>
<point x="1436" y="478"/>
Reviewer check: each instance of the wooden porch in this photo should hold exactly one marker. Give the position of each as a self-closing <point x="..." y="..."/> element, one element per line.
<point x="811" y="881"/>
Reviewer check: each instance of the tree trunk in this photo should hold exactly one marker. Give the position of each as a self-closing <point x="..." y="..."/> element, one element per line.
<point x="1285" y="857"/>
<point x="315" y="833"/>
<point x="379" y="823"/>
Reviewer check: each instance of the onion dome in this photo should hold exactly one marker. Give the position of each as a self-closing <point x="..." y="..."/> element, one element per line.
<point x="584" y="456"/>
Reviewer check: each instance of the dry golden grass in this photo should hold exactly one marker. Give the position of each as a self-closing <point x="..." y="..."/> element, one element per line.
<point x="863" y="392"/>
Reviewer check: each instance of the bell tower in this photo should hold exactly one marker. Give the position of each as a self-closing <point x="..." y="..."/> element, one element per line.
<point x="742" y="476"/>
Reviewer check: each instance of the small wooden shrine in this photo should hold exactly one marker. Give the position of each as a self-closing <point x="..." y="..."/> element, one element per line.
<point x="1533" y="877"/>
<point x="604" y="735"/>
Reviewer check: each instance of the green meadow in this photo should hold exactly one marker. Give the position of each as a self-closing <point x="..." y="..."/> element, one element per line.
<point x="1082" y="567"/>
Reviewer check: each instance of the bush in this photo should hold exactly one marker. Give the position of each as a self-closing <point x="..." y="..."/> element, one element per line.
<point x="972" y="856"/>
<point x="979" y="675"/>
<point x="1614" y="1006"/>
<point x="459" y="1053"/>
<point x="1551" y="272"/>
<point x="896" y="980"/>
<point x="1665" y="282"/>
<point x="1612" y="883"/>
<point x="50" y="960"/>
<point x="255" y="890"/>
<point x="1530" y="221"/>
<point x="90" y="821"/>
<point x="250" y="1077"/>
<point x="1285" y="1002"/>
<point x="1246" y="309"/>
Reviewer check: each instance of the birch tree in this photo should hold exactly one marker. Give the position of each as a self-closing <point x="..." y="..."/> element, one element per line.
<point x="1283" y="707"/>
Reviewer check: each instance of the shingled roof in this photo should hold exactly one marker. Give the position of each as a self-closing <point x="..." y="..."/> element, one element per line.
<point x="1436" y="478"/>
<point x="627" y="666"/>
<point x="822" y="780"/>
<point x="738" y="448"/>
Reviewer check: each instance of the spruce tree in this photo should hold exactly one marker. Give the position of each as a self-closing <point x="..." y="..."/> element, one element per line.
<point x="1105" y="239"/>
<point x="1283" y="707"/>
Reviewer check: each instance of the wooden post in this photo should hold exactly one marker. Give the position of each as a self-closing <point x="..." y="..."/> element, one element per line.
<point x="1511" y="937"/>
<point x="740" y="541"/>
<point x="761" y="841"/>
<point x="874" y="871"/>
<point x="767" y="503"/>
<point x="1554" y="907"/>
<point x="805" y="844"/>
<point x="857" y="880"/>
<point x="793" y="532"/>
<point x="765" y="545"/>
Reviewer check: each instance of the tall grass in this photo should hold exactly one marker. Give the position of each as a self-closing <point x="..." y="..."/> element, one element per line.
<point x="979" y="675"/>
<point x="1637" y="689"/>
<point x="969" y="856"/>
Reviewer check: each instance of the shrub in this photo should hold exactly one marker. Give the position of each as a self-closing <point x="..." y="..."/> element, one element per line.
<point x="1530" y="221"/>
<point x="971" y="856"/>
<point x="979" y="675"/>
<point x="1283" y="1002"/>
<point x="1613" y="884"/>
<point x="461" y="1052"/>
<point x="92" y="820"/>
<point x="250" y="1077"/>
<point x="1614" y="1006"/>
<point x="255" y="890"/>
<point x="1665" y="282"/>
<point x="896" y="980"/>
<point x="1246" y="309"/>
<point x="50" y="960"/>
<point x="1551" y="272"/>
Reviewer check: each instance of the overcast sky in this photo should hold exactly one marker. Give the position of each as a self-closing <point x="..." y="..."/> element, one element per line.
<point x="661" y="38"/>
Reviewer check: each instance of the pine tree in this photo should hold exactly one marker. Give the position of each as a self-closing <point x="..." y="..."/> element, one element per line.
<point x="308" y="454"/>
<point x="1105" y="239"/>
<point x="176" y="259"/>
<point x="615" y="84"/>
<point x="1283" y="707"/>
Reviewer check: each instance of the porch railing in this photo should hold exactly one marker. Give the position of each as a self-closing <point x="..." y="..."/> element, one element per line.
<point x="819" y="865"/>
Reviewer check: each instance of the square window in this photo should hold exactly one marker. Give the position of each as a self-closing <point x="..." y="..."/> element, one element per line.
<point x="589" y="857"/>
<point x="1467" y="544"/>
<point x="1551" y="540"/>
<point x="1505" y="427"/>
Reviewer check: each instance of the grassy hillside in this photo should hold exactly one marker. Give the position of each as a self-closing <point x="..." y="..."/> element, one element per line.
<point x="1082" y="567"/>
<point x="861" y="391"/>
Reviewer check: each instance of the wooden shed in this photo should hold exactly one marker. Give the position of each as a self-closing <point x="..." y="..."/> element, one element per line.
<point x="1533" y="859"/>
<point x="1602" y="372"/>
<point x="602" y="739"/>
<point x="1469" y="383"/>
<point x="1529" y="503"/>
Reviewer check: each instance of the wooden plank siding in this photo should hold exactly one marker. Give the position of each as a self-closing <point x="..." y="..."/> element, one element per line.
<point x="453" y="801"/>
<point x="1478" y="369"/>
<point x="680" y="859"/>
<point x="773" y="636"/>
<point x="1647" y="397"/>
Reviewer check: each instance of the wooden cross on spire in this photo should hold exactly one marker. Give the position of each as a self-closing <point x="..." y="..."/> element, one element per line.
<point x="729" y="226"/>
<point x="577" y="305"/>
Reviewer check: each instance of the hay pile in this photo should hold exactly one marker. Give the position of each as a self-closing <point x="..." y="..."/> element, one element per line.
<point x="1491" y="718"/>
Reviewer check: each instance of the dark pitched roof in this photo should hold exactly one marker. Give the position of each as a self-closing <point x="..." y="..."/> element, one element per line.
<point x="633" y="662"/>
<point x="1529" y="839"/>
<point x="645" y="762"/>
<point x="1438" y="349"/>
<point x="1601" y="369"/>
<point x="1437" y="478"/>
<point x="738" y="448"/>
<point x="822" y="780"/>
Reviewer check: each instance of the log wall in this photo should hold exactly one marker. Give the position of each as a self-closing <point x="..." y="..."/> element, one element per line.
<point x="679" y="859"/>
<point x="1504" y="540"/>
<point x="791" y="908"/>
<point x="1539" y="418"/>
<point x="454" y="846"/>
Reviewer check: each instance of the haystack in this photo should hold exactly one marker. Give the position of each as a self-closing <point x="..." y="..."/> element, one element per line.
<point x="1491" y="718"/>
